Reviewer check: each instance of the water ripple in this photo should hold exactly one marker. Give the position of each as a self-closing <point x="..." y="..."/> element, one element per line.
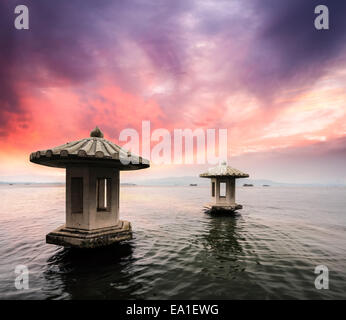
<point x="269" y="251"/>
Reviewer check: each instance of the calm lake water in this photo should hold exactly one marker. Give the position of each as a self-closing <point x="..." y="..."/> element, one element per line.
<point x="268" y="251"/>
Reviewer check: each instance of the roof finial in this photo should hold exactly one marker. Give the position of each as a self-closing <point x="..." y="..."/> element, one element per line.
<point x="97" y="133"/>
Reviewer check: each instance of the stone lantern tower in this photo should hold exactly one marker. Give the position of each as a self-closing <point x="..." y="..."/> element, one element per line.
<point x="92" y="167"/>
<point x="223" y="187"/>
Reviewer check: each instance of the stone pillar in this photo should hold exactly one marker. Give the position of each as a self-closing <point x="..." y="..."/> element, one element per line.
<point x="104" y="198"/>
<point x="213" y="189"/>
<point x="77" y="204"/>
<point x="92" y="197"/>
<point x="231" y="191"/>
<point x="228" y="191"/>
<point x="101" y="193"/>
<point x="217" y="190"/>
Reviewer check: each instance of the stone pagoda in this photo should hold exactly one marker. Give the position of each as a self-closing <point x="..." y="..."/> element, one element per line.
<point x="93" y="168"/>
<point x="223" y="187"/>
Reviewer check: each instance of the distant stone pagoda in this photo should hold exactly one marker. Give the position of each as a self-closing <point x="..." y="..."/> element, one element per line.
<point x="93" y="168"/>
<point x="223" y="187"/>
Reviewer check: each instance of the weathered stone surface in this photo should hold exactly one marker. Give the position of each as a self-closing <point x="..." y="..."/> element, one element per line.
<point x="68" y="237"/>
<point x="94" y="150"/>
<point x="223" y="199"/>
<point x="92" y="190"/>
<point x="211" y="207"/>
<point x="223" y="170"/>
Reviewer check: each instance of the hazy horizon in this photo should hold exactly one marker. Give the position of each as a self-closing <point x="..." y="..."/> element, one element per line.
<point x="181" y="181"/>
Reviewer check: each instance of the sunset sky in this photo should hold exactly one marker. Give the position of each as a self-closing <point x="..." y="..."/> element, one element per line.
<point x="258" y="68"/>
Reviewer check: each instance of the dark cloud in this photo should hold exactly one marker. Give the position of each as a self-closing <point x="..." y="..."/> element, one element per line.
<point x="7" y="52"/>
<point x="320" y="162"/>
<point x="71" y="41"/>
<point x="288" y="50"/>
<point x="49" y="53"/>
<point x="269" y="45"/>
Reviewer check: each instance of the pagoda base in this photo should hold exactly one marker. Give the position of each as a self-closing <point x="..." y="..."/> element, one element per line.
<point x="79" y="238"/>
<point x="219" y="208"/>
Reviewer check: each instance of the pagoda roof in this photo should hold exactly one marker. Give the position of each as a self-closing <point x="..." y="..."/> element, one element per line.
<point x="94" y="150"/>
<point x="223" y="170"/>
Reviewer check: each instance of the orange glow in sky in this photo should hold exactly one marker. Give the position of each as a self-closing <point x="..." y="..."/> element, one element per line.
<point x="278" y="91"/>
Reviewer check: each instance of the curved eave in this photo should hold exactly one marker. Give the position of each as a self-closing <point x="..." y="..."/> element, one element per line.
<point x="63" y="161"/>
<point x="205" y="175"/>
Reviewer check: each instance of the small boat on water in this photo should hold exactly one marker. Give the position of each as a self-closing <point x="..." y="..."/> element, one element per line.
<point x="247" y="185"/>
<point x="193" y="184"/>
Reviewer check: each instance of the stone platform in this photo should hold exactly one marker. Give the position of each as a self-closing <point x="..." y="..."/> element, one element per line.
<point x="68" y="237"/>
<point x="215" y="208"/>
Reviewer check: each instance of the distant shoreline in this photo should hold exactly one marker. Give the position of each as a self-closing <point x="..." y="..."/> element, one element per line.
<point x="242" y="186"/>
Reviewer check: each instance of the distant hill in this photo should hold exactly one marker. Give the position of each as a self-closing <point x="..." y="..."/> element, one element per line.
<point x="187" y="180"/>
<point x="31" y="183"/>
<point x="174" y="181"/>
